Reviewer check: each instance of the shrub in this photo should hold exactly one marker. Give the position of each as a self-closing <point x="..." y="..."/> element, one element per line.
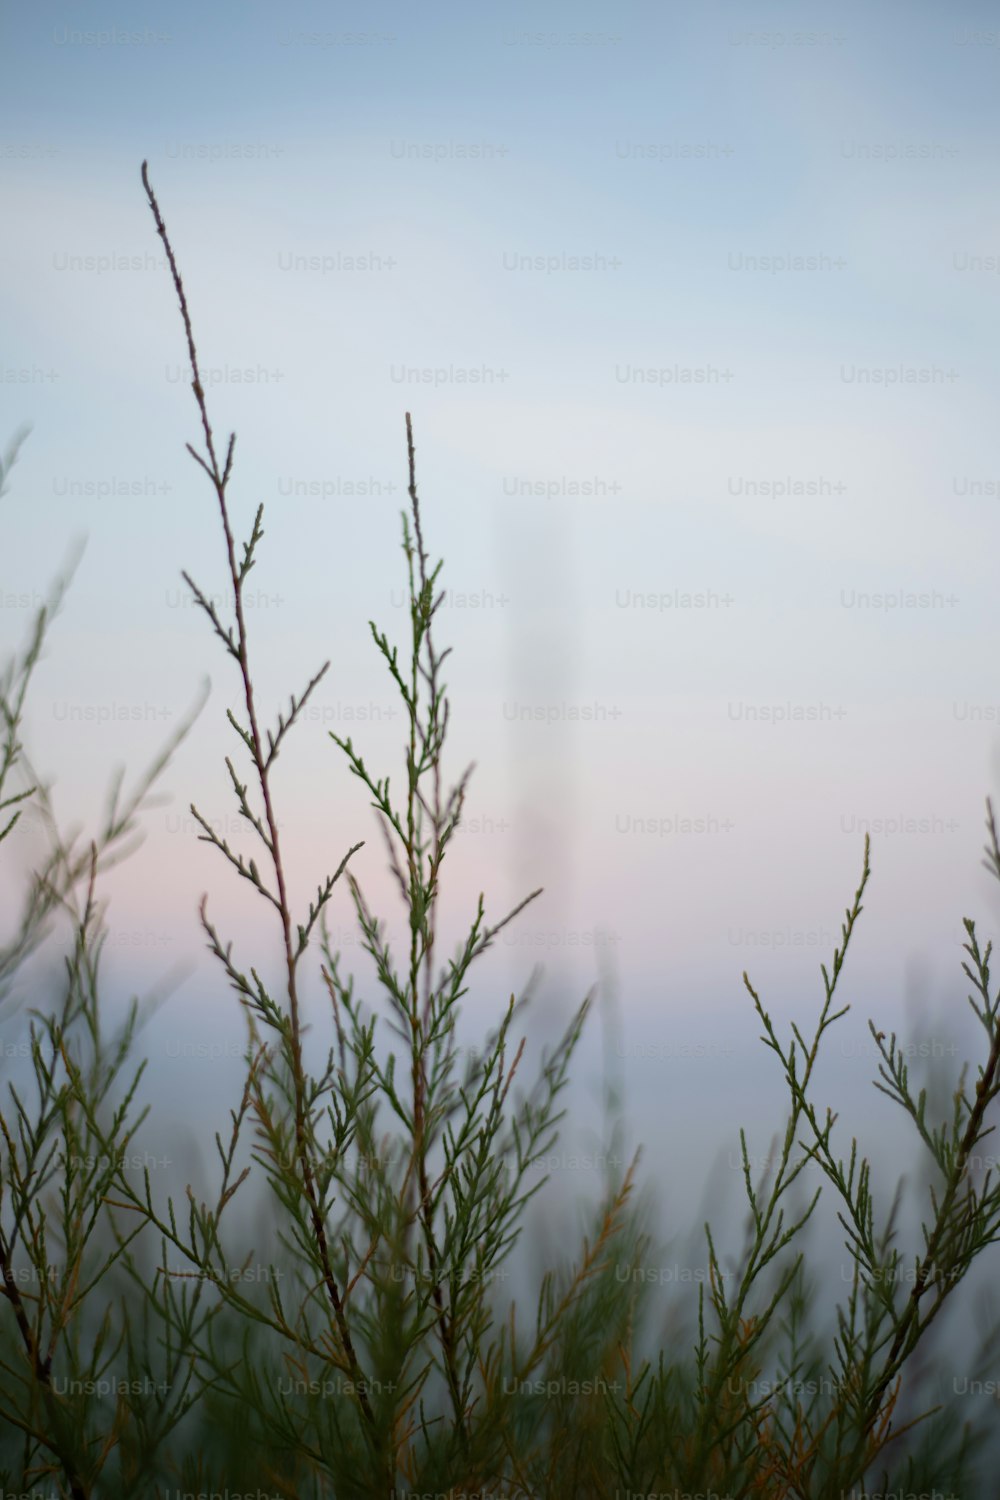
<point x="367" y="1348"/>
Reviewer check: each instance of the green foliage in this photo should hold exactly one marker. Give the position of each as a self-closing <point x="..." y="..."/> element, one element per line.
<point x="367" y="1347"/>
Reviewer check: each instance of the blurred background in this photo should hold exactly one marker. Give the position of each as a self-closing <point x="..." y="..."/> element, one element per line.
<point x="695" y="313"/>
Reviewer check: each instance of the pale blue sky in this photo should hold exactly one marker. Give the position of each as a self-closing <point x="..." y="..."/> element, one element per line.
<point x="672" y="146"/>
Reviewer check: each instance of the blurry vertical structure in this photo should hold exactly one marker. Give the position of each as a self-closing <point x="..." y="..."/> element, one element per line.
<point x="542" y="745"/>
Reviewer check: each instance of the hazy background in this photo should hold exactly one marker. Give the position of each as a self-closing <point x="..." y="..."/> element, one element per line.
<point x="765" y="571"/>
